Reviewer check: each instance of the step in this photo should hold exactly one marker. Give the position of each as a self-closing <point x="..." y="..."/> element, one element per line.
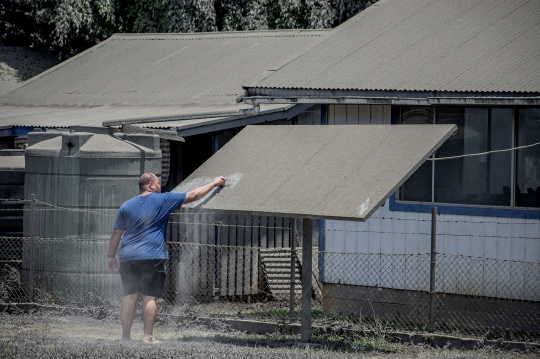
<point x="277" y="260"/>
<point x="278" y="264"/>
<point x="277" y="269"/>
<point x="283" y="276"/>
<point x="283" y="279"/>
<point x="285" y="291"/>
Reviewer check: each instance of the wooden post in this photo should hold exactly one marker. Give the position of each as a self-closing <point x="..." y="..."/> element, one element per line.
<point x="432" y="269"/>
<point x="307" y="234"/>
<point x="32" y="244"/>
<point x="293" y="269"/>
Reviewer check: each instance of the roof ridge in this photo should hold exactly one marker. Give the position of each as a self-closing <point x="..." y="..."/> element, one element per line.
<point x="212" y="36"/>
<point x="238" y="32"/>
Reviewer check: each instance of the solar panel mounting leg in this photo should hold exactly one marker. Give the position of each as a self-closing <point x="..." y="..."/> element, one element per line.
<point x="307" y="248"/>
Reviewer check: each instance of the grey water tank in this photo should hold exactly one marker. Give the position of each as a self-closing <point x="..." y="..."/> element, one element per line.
<point x="11" y="205"/>
<point x="80" y="179"/>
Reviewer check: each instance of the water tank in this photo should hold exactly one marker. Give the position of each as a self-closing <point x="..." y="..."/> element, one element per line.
<point x="11" y="205"/>
<point x="80" y="179"/>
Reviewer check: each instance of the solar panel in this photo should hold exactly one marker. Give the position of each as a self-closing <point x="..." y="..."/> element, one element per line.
<point x="331" y="172"/>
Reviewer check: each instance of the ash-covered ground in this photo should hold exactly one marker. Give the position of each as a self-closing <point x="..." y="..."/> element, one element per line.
<point x="46" y="334"/>
<point x="18" y="64"/>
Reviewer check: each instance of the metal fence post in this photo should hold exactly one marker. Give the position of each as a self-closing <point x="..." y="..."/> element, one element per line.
<point x="217" y="255"/>
<point x="307" y="249"/>
<point x="32" y="244"/>
<point x="293" y="269"/>
<point x="432" y="269"/>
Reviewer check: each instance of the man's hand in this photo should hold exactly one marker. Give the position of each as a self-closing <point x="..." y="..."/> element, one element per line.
<point x="218" y="181"/>
<point x="112" y="264"/>
<point x="200" y="192"/>
<point x="116" y="236"/>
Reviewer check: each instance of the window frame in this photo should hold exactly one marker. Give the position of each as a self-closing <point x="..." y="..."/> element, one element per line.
<point x="396" y="204"/>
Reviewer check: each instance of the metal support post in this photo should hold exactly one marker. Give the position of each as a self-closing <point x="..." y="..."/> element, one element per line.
<point x="293" y="268"/>
<point x="32" y="244"/>
<point x="217" y="255"/>
<point x="307" y="248"/>
<point x="432" y="269"/>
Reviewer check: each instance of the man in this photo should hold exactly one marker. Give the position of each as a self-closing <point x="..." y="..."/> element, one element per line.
<point x="143" y="253"/>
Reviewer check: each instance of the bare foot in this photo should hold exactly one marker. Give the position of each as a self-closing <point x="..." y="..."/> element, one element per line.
<point x="126" y="339"/>
<point x="150" y="340"/>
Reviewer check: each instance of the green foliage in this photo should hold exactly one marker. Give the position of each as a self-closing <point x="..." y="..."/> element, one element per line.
<point x="241" y="15"/>
<point x="73" y="18"/>
<point x="67" y="26"/>
<point x="367" y="345"/>
<point x="192" y="15"/>
<point x="25" y="22"/>
<point x="141" y="16"/>
<point x="70" y="26"/>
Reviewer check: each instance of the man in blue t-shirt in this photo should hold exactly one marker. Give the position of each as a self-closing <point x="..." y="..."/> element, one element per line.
<point x="142" y="220"/>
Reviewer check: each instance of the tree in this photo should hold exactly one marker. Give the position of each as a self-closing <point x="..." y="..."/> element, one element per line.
<point x="192" y="15"/>
<point x="70" y="26"/>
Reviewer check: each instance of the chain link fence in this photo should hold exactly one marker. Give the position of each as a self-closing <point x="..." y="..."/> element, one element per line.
<point x="250" y="267"/>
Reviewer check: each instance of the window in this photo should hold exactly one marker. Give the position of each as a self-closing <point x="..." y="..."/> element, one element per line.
<point x="418" y="187"/>
<point x="485" y="180"/>
<point x="528" y="159"/>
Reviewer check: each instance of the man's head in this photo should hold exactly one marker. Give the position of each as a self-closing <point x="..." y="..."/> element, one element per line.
<point x="149" y="182"/>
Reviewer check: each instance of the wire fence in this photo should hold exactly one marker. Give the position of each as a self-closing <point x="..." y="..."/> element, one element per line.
<point x="250" y="267"/>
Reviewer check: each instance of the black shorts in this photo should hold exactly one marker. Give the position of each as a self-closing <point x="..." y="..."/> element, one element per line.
<point x="146" y="277"/>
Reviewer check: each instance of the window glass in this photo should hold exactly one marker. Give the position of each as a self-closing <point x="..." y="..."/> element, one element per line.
<point x="475" y="180"/>
<point x="528" y="159"/>
<point x="412" y="115"/>
<point x="418" y="187"/>
<point x="500" y="164"/>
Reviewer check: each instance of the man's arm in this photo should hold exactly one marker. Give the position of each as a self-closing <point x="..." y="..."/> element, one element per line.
<point x="112" y="262"/>
<point x="200" y="192"/>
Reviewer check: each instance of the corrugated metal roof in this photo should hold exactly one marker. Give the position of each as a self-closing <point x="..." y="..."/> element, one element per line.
<point x="322" y="179"/>
<point x="431" y="45"/>
<point x="134" y="75"/>
<point x="64" y="116"/>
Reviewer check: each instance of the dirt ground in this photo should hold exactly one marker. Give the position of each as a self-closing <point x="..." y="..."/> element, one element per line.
<point x="18" y="64"/>
<point x="50" y="335"/>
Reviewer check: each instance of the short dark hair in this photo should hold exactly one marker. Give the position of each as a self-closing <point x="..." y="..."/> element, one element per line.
<point x="145" y="180"/>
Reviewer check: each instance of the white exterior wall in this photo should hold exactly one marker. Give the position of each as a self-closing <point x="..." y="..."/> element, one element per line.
<point x="358" y="114"/>
<point x="395" y="232"/>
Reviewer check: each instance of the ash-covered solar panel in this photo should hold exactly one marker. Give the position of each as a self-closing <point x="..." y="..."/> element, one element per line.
<point x="333" y="172"/>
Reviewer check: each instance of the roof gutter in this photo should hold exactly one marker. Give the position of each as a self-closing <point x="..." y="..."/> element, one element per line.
<point x="383" y="100"/>
<point x="166" y="135"/>
<point x="240" y="113"/>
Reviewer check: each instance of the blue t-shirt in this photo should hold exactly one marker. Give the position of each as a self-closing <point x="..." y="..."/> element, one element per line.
<point x="143" y="220"/>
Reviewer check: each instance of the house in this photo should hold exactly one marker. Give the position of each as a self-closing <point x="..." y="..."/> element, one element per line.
<point x="475" y="64"/>
<point x="185" y="82"/>
<point x="471" y="63"/>
<point x="184" y="87"/>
